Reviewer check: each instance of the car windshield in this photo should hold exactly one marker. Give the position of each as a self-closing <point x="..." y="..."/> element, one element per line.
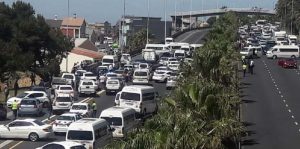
<point x="38" y="89"/>
<point x="113" y="82"/>
<point x="130" y="96"/>
<point x="28" y="102"/>
<point x="107" y="60"/>
<point x="79" y="107"/>
<point x="173" y="74"/>
<point x="68" y="76"/>
<point x="63" y="99"/>
<point x="89" y="75"/>
<point x="140" y="73"/>
<point x="22" y="95"/>
<point x="38" y="122"/>
<point x="66" y="118"/>
<point x="87" y="83"/>
<point x="161" y="72"/>
<point x="179" y="54"/>
<point x="143" y="66"/>
<point x="163" y="58"/>
<point x="176" y="47"/>
<point x="185" y="49"/>
<point x="161" y="68"/>
<point x="65" y="88"/>
<point x="80" y="135"/>
<point x="111" y="75"/>
<point x="114" y="121"/>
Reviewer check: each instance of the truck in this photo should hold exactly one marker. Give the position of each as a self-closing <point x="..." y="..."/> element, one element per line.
<point x="149" y="55"/>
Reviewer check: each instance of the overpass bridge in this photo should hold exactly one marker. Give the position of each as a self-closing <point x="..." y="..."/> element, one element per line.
<point x="183" y="20"/>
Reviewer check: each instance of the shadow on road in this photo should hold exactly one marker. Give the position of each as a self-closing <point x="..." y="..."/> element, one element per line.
<point x="247" y="101"/>
<point x="247" y="141"/>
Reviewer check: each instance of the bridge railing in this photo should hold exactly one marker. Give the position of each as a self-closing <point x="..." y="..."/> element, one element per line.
<point x="253" y="10"/>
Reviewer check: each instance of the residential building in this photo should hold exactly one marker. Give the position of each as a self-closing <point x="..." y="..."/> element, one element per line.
<point x="54" y="23"/>
<point x="74" y="27"/>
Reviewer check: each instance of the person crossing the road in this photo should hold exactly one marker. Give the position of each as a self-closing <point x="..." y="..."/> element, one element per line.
<point x="244" y="69"/>
<point x="251" y="66"/>
<point x="94" y="107"/>
<point x="14" y="108"/>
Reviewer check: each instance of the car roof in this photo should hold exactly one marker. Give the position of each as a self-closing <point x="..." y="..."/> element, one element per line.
<point x="30" y="92"/>
<point x="80" y="104"/>
<point x="69" y="114"/>
<point x="65" y="86"/>
<point x="26" y="120"/>
<point x="67" y="143"/>
<point x="63" y="95"/>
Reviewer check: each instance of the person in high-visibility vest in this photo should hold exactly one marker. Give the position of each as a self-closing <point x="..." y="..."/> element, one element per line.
<point x="244" y="69"/>
<point x="94" y="107"/>
<point x="14" y="108"/>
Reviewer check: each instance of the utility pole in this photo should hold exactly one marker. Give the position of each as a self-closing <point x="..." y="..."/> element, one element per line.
<point x="175" y="15"/>
<point x="292" y="16"/>
<point x="123" y="25"/>
<point x="68" y="33"/>
<point x="165" y="1"/>
<point x="191" y="7"/>
<point x="148" y="8"/>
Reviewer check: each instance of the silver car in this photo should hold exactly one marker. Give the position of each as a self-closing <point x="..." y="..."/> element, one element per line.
<point x="30" y="106"/>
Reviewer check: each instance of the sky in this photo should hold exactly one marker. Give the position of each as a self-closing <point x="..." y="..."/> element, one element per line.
<point x="112" y="10"/>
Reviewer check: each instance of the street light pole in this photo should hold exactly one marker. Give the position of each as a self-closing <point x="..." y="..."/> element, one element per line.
<point x="165" y="1"/>
<point x="292" y="16"/>
<point x="148" y="8"/>
<point x="191" y="7"/>
<point x="175" y="15"/>
<point x="67" y="63"/>
<point x="123" y="25"/>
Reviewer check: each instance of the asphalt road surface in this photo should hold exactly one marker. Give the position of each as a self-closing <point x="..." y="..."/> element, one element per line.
<point x="270" y="108"/>
<point x="102" y="100"/>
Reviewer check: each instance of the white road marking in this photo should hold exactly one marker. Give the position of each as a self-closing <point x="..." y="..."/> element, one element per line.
<point x="293" y="116"/>
<point x="279" y="92"/>
<point x="284" y="101"/>
<point x="289" y="110"/>
<point x="5" y="143"/>
<point x="281" y="96"/>
<point x="16" y="145"/>
<point x="296" y="123"/>
<point x="286" y="105"/>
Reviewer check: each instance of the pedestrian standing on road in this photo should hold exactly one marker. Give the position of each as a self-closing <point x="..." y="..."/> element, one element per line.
<point x="244" y="69"/>
<point x="50" y="110"/>
<point x="94" y="107"/>
<point x="16" y="86"/>
<point x="32" y="77"/>
<point x="251" y="66"/>
<point x="14" y="108"/>
<point x="6" y="91"/>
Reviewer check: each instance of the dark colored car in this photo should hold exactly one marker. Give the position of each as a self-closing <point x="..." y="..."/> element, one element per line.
<point x="3" y="112"/>
<point x="287" y="63"/>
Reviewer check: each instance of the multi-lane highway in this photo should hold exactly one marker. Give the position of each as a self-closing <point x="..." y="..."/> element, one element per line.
<point x="102" y="100"/>
<point x="270" y="108"/>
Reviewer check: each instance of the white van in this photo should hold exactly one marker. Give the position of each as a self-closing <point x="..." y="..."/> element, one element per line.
<point x="141" y="76"/>
<point x="168" y="40"/>
<point x="143" y="99"/>
<point x="93" y="132"/>
<point x="252" y="51"/>
<point x="121" y="119"/>
<point x="159" y="48"/>
<point x="110" y="60"/>
<point x="283" y="51"/>
<point x="179" y="54"/>
<point x="69" y="77"/>
<point x="187" y="49"/>
<point x="149" y="55"/>
<point x="292" y="39"/>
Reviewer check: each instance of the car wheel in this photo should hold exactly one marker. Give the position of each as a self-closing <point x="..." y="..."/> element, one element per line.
<point x="274" y="57"/>
<point x="46" y="104"/>
<point x="293" y="56"/>
<point x="33" y="137"/>
<point x="56" y="133"/>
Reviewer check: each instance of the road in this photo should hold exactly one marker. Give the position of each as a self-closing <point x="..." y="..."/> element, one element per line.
<point x="103" y="101"/>
<point x="192" y="37"/>
<point x="270" y="108"/>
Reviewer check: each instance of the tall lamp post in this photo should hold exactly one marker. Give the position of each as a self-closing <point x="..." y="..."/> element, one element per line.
<point x="148" y="11"/>
<point x="68" y="33"/>
<point x="165" y="5"/>
<point x="292" y="16"/>
<point x="191" y="7"/>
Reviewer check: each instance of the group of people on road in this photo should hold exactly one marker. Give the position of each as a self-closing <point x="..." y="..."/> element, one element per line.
<point x="247" y="64"/>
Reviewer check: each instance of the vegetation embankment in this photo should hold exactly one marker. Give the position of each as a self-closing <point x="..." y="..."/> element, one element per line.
<point x="202" y="111"/>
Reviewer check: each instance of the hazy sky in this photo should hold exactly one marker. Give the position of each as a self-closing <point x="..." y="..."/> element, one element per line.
<point x="111" y="10"/>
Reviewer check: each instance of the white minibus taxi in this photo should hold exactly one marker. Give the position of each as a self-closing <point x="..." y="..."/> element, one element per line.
<point x="283" y="51"/>
<point x="93" y="132"/>
<point x="143" y="99"/>
<point x="121" y="119"/>
<point x="141" y="76"/>
<point x="159" y="48"/>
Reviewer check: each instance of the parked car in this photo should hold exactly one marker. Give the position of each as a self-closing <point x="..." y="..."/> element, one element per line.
<point x="3" y="112"/>
<point x="31" y="129"/>
<point x="84" y="109"/>
<point x="62" y="122"/>
<point x="30" y="106"/>
<point x="287" y="63"/>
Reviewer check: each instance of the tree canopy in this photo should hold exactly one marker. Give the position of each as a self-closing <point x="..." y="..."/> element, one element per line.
<point x="27" y="43"/>
<point x="288" y="12"/>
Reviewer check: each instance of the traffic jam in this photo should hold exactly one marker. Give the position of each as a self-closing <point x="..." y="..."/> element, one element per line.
<point x="69" y="103"/>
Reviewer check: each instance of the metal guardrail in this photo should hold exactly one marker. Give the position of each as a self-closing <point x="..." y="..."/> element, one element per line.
<point x="211" y="11"/>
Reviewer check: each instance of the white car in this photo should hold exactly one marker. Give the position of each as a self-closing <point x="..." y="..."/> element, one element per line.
<point x="41" y="95"/>
<point x="113" y="85"/>
<point x="129" y="67"/>
<point x="163" y="60"/>
<point x="89" y="76"/>
<point x="84" y="109"/>
<point x="62" y="122"/>
<point x="87" y="87"/>
<point x="70" y="77"/>
<point x="141" y="76"/>
<point x="125" y="59"/>
<point x="63" y="145"/>
<point x="31" y="129"/>
<point x="161" y="76"/>
<point x="174" y="67"/>
<point x="171" y="81"/>
<point x="64" y="89"/>
<point x="171" y="59"/>
<point x="62" y="102"/>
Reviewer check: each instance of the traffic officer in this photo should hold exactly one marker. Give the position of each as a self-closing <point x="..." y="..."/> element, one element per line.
<point x="244" y="69"/>
<point x="94" y="107"/>
<point x="14" y="108"/>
